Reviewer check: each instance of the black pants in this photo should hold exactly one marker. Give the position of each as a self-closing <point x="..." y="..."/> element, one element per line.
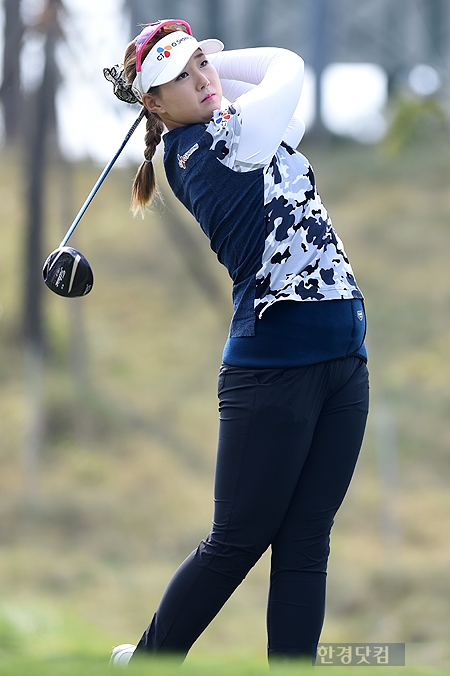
<point x="288" y="443"/>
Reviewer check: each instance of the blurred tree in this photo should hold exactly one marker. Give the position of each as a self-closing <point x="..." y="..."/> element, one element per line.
<point x="41" y="125"/>
<point x="256" y="23"/>
<point x="11" y="96"/>
<point x="437" y="13"/>
<point x="393" y="42"/>
<point x="321" y="56"/>
<point x="143" y="12"/>
<point x="137" y="14"/>
<point x="215" y="20"/>
<point x="172" y="9"/>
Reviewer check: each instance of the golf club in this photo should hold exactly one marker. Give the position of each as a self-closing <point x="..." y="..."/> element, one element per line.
<point x="66" y="271"/>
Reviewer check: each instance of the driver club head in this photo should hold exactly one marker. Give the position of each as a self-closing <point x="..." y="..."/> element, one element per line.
<point x="67" y="273"/>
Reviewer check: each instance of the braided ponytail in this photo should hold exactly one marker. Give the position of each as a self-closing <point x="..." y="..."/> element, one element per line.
<point x="144" y="184"/>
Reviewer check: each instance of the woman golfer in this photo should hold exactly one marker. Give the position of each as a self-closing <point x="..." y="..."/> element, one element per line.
<point x="293" y="385"/>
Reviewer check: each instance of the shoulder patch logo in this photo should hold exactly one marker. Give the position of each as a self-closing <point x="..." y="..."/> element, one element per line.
<point x="182" y="159"/>
<point x="222" y="117"/>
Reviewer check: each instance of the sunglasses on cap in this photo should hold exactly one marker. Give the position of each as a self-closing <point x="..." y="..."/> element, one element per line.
<point x="149" y="31"/>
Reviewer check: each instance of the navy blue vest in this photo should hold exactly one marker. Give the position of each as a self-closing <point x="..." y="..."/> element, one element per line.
<point x="244" y="219"/>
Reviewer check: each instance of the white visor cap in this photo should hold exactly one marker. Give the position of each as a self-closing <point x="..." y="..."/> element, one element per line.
<point x="168" y="57"/>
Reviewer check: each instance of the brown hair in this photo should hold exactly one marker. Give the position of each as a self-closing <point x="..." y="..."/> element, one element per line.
<point x="144" y="184"/>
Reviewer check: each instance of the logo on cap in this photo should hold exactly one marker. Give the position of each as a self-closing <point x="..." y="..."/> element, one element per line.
<point x="164" y="52"/>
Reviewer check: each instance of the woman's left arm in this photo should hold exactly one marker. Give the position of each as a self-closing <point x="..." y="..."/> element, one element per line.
<point x="268" y="109"/>
<point x="295" y="130"/>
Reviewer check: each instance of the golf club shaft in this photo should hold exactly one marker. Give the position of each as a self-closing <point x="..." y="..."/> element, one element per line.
<point x="101" y="179"/>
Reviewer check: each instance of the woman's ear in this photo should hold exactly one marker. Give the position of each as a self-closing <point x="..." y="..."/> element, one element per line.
<point x="151" y="104"/>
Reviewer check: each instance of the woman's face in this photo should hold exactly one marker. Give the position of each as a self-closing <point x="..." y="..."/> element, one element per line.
<point x="191" y="97"/>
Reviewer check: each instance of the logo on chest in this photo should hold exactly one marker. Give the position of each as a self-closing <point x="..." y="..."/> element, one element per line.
<point x="182" y="159"/>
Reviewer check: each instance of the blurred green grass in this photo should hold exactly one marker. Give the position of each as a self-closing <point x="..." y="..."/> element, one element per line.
<point x="125" y="481"/>
<point x="220" y="666"/>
